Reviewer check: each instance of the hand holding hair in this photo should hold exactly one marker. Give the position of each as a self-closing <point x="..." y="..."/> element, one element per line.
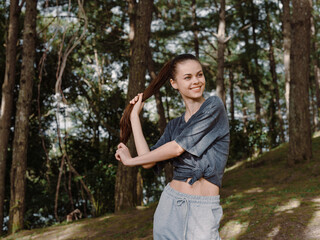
<point x="138" y="105"/>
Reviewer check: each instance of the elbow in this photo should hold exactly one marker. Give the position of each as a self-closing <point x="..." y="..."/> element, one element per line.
<point x="148" y="166"/>
<point x="178" y="150"/>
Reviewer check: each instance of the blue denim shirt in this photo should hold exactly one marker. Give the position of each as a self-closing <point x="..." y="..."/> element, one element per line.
<point x="205" y="138"/>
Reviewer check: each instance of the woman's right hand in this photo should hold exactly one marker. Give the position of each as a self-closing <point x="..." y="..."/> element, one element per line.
<point x="138" y="105"/>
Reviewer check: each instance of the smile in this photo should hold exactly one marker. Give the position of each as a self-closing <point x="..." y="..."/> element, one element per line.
<point x="196" y="88"/>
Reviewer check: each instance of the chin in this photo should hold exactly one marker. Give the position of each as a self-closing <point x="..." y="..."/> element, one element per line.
<point x="195" y="97"/>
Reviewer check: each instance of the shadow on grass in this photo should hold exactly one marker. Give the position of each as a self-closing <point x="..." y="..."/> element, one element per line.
<point x="131" y="224"/>
<point x="261" y="199"/>
<point x="267" y="200"/>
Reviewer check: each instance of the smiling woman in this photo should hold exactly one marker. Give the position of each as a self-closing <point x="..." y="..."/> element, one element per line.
<point x="197" y="143"/>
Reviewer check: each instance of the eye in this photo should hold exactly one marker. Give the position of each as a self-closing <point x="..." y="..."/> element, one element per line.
<point x="200" y="75"/>
<point x="187" y="78"/>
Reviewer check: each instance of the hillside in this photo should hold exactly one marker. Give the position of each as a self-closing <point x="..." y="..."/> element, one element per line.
<point x="262" y="199"/>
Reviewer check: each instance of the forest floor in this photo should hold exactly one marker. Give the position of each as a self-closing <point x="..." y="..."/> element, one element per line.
<point x="261" y="199"/>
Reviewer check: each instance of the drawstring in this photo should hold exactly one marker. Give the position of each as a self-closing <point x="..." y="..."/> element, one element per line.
<point x="179" y="203"/>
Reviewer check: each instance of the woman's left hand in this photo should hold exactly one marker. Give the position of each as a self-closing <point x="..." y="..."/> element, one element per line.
<point x="123" y="155"/>
<point x="138" y="105"/>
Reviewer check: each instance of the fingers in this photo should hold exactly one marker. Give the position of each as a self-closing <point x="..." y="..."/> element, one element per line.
<point x="140" y="97"/>
<point x="136" y="98"/>
<point x="121" y="145"/>
<point x="117" y="156"/>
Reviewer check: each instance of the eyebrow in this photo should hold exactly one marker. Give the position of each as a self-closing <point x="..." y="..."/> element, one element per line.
<point x="191" y="74"/>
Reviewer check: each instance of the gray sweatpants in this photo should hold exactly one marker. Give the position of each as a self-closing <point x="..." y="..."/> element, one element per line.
<point x="181" y="216"/>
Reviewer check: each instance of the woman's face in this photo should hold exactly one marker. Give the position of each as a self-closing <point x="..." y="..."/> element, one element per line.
<point x="189" y="79"/>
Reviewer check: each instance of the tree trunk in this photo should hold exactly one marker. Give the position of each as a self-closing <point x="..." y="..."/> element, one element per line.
<point x="7" y="97"/>
<point x="126" y="179"/>
<point x="88" y="191"/>
<point x="255" y="77"/>
<point x="314" y="108"/>
<point x="20" y="142"/>
<point x="275" y="87"/>
<point x="244" y="112"/>
<point x="286" y="31"/>
<point x="248" y="70"/>
<point x="58" y="188"/>
<point x="316" y="71"/>
<point x="220" y="89"/>
<point x="70" y="191"/>
<point x="84" y="202"/>
<point x="300" y="148"/>
<point x="139" y="198"/>
<point x="231" y="86"/>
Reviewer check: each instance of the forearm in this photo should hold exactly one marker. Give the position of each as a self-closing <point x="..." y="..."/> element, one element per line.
<point x="164" y="152"/>
<point x="139" y="139"/>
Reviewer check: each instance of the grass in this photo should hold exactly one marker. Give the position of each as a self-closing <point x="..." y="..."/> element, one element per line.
<point x="265" y="199"/>
<point x="261" y="199"/>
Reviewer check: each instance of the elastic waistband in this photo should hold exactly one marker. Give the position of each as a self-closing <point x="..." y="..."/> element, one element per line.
<point x="191" y="198"/>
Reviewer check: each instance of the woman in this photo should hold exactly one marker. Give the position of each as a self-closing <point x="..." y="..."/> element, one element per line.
<point x="197" y="143"/>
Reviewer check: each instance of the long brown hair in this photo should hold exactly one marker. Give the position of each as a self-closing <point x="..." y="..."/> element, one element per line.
<point x="167" y="72"/>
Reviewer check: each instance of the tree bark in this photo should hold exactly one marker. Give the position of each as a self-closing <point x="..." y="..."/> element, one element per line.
<point x="300" y="148"/>
<point x="286" y="31"/>
<point x="141" y="16"/>
<point x="248" y="70"/>
<point x="275" y="86"/>
<point x="57" y="189"/>
<point x="231" y="86"/>
<point x="256" y="81"/>
<point x="139" y="198"/>
<point x="244" y="112"/>
<point x="314" y="108"/>
<point x="90" y="195"/>
<point x="7" y="97"/>
<point x="316" y="71"/>
<point x="220" y="89"/>
<point x="20" y="142"/>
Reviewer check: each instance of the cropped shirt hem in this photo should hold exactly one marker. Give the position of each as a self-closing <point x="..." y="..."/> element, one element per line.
<point x="185" y="179"/>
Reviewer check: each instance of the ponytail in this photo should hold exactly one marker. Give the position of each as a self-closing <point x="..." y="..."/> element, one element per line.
<point x="167" y="72"/>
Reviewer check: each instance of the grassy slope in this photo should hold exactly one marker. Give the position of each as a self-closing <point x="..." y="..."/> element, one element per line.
<point x="262" y="199"/>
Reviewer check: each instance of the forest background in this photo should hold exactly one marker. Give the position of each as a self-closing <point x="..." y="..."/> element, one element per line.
<point x="68" y="68"/>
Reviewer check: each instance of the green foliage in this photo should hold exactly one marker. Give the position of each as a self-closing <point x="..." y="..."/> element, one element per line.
<point x="255" y="198"/>
<point x="95" y="83"/>
<point x="245" y="143"/>
<point x="239" y="143"/>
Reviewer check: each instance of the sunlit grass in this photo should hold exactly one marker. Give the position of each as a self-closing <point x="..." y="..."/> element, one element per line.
<point x="262" y="199"/>
<point x="265" y="199"/>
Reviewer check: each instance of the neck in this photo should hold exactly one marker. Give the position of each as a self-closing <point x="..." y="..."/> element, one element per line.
<point x="192" y="106"/>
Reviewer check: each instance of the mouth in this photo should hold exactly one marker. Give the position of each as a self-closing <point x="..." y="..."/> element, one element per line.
<point x="196" y="88"/>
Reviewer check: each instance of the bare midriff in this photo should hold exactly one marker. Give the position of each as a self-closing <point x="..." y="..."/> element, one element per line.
<point x="202" y="187"/>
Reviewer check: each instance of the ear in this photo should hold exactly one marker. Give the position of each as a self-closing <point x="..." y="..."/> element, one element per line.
<point x="173" y="83"/>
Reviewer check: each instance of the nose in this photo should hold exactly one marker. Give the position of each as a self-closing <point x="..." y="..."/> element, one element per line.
<point x="195" y="80"/>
